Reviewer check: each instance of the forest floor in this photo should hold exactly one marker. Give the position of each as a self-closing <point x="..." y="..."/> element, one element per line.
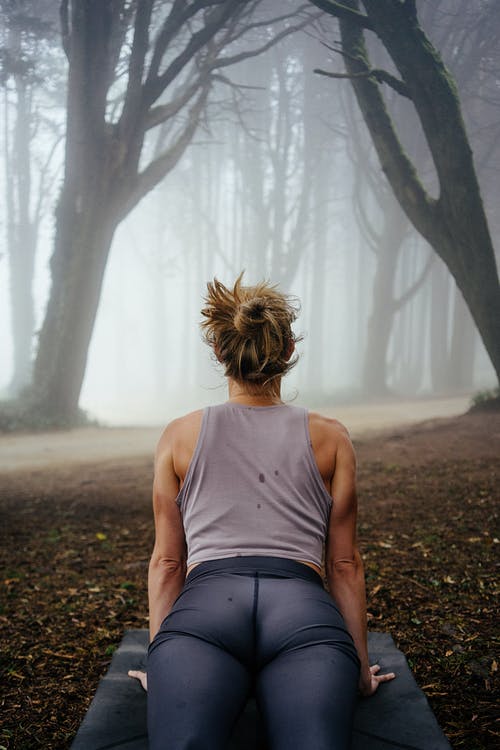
<point x="75" y="542"/>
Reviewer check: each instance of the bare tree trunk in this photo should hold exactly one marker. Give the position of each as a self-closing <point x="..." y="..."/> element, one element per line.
<point x="454" y="224"/>
<point x="380" y="325"/>
<point x="159" y="327"/>
<point x="82" y="247"/>
<point x="384" y="305"/>
<point x="105" y="176"/>
<point x="462" y="346"/>
<point x="316" y="306"/>
<point x="21" y="235"/>
<point x="440" y="293"/>
<point x="86" y="219"/>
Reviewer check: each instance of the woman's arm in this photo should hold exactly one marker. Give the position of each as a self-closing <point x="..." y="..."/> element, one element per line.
<point x="167" y="567"/>
<point x="344" y="566"/>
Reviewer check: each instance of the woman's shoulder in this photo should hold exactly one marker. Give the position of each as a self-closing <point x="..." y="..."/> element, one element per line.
<point x="327" y="426"/>
<point x="330" y="442"/>
<point x="180" y="429"/>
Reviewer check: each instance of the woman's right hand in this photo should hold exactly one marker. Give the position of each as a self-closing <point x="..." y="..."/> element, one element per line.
<point x="370" y="680"/>
<point x="139" y="674"/>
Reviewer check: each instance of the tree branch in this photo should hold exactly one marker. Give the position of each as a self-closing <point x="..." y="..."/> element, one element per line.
<point x="43" y="191"/>
<point x="225" y="62"/>
<point x="400" y="171"/>
<point x="121" y="15"/>
<point x="65" y="32"/>
<point x="163" y="164"/>
<point x="179" y="14"/>
<point x="163" y="112"/>
<point x="238" y="86"/>
<point x="397" y="304"/>
<point x="399" y="86"/>
<point x="342" y="11"/>
<point x="412" y="7"/>
<point x="137" y="58"/>
<point x="245" y="28"/>
<point x="367" y="229"/>
<point x="381" y="76"/>
<point x="156" y="84"/>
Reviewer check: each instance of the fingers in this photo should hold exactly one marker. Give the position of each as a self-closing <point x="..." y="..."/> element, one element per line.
<point x="381" y="677"/>
<point x="138" y="674"/>
<point x="386" y="677"/>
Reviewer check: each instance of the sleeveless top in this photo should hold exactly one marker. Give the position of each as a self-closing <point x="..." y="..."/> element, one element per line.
<point x="253" y="486"/>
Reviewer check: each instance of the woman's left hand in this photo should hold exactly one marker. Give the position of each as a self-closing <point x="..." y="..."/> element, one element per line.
<point x="138" y="674"/>
<point x="369" y="682"/>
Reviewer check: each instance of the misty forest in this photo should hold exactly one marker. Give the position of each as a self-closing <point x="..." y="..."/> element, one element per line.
<point x="347" y="151"/>
<point x="350" y="156"/>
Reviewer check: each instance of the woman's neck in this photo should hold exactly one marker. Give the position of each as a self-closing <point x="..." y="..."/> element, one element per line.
<point x="252" y="397"/>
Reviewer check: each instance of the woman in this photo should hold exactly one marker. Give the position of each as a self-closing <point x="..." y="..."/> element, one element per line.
<point x="247" y="494"/>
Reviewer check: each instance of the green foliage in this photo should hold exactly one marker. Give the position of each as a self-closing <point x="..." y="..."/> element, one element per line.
<point x="127" y="585"/>
<point x="487" y="400"/>
<point x="53" y="536"/>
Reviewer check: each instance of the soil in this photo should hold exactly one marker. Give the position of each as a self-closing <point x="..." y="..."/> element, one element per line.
<point x="75" y="542"/>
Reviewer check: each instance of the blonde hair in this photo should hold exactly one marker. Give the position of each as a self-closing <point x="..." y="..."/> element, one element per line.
<point x="250" y="330"/>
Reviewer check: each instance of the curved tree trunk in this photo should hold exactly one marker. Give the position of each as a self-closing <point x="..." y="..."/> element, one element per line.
<point x="380" y="324"/>
<point x="85" y="222"/>
<point x="172" y="61"/>
<point x="384" y="306"/>
<point x="83" y="241"/>
<point x="454" y="224"/>
<point x="462" y="347"/>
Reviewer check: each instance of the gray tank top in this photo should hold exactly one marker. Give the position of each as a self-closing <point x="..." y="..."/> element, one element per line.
<point x="253" y="486"/>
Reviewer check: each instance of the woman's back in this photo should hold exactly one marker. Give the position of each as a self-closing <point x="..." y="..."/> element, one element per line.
<point x="253" y="486"/>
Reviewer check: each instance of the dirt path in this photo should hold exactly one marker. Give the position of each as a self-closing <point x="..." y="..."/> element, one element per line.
<point x="95" y="444"/>
<point x="75" y="539"/>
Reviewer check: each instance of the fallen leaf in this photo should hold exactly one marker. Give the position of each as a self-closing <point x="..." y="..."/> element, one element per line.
<point x="58" y="654"/>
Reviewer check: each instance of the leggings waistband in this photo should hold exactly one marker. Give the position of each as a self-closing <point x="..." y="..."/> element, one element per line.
<point x="277" y="567"/>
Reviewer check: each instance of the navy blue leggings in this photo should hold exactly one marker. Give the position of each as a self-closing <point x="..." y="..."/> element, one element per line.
<point x="252" y="624"/>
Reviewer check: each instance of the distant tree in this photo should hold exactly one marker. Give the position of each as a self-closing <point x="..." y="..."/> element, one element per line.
<point x="259" y="189"/>
<point x="467" y="35"/>
<point x="133" y="66"/>
<point x="30" y="68"/>
<point x="454" y="223"/>
<point x="385" y="229"/>
<point x="278" y="161"/>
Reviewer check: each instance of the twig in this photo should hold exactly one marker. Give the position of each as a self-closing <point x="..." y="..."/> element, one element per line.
<point x="381" y="76"/>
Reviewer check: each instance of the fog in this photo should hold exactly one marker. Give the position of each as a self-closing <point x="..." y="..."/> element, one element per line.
<point x="280" y="180"/>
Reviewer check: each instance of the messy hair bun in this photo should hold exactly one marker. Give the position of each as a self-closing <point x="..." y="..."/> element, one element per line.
<point x="250" y="330"/>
